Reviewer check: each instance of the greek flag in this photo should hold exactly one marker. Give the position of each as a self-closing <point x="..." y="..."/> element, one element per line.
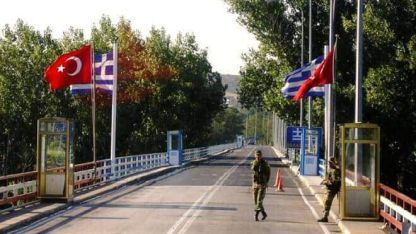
<point x="294" y="80"/>
<point x="104" y="75"/>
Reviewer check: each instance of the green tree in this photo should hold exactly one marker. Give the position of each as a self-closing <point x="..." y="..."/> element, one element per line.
<point x="163" y="85"/>
<point x="24" y="95"/>
<point x="389" y="67"/>
<point x="225" y="126"/>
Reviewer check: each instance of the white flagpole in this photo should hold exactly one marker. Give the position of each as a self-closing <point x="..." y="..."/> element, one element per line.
<point x="310" y="60"/>
<point x="114" y="109"/>
<point x="301" y="64"/>
<point x="331" y="96"/>
<point x="93" y="111"/>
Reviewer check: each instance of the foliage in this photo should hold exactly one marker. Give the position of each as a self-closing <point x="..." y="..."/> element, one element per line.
<point x="163" y="85"/>
<point x="389" y="68"/>
<point x="225" y="126"/>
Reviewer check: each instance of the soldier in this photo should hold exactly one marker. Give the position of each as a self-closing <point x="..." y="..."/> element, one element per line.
<point x="261" y="176"/>
<point x="333" y="184"/>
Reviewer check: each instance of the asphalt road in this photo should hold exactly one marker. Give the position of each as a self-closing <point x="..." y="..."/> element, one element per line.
<point x="213" y="197"/>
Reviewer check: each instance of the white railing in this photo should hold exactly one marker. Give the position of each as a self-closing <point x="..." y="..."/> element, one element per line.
<point x="19" y="189"/>
<point x="195" y="153"/>
<point x="397" y="210"/>
<point x="123" y="166"/>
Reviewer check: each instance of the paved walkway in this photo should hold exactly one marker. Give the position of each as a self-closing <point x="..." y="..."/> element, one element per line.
<point x="313" y="183"/>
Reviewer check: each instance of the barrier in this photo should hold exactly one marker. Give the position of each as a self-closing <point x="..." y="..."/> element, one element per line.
<point x="20" y="189"/>
<point x="279" y="182"/>
<point x="397" y="210"/>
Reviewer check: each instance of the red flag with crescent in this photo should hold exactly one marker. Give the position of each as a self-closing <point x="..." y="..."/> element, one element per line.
<point x="71" y="68"/>
<point x="323" y="74"/>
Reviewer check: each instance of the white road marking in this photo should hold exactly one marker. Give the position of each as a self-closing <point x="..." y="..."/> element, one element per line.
<point x="188" y="217"/>
<point x="314" y="213"/>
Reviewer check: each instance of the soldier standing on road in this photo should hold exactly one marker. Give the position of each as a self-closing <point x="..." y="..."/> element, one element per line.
<point x="261" y="176"/>
<point x="333" y="185"/>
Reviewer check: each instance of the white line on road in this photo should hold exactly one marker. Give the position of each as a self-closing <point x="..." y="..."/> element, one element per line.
<point x="203" y="200"/>
<point x="314" y="213"/>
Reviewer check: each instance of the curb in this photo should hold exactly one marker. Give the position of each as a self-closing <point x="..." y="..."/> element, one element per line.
<point x="144" y="176"/>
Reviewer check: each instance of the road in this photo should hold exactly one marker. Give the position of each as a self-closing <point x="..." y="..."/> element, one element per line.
<point x="213" y="197"/>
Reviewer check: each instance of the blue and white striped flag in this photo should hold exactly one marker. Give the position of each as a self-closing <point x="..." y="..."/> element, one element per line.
<point x="294" y="80"/>
<point x="104" y="75"/>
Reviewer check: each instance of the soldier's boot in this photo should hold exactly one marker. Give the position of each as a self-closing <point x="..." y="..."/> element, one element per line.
<point x="256" y="216"/>
<point x="323" y="219"/>
<point x="264" y="215"/>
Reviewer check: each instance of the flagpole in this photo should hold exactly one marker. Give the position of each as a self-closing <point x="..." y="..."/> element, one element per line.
<point x="301" y="64"/>
<point x="358" y="66"/>
<point x="114" y="109"/>
<point x="310" y="60"/>
<point x="93" y="112"/>
<point x="329" y="100"/>
<point x="331" y="93"/>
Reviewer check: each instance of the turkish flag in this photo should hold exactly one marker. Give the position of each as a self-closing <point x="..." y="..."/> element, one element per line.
<point x="71" y="68"/>
<point x="323" y="74"/>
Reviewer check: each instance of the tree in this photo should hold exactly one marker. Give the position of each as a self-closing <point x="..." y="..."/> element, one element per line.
<point x="225" y="126"/>
<point x="277" y="25"/>
<point x="389" y="68"/>
<point x="163" y="85"/>
<point x="24" y="95"/>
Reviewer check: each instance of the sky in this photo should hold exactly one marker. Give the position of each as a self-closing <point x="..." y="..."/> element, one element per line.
<point x="215" y="29"/>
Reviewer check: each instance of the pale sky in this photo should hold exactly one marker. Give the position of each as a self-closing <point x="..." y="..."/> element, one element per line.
<point x="214" y="27"/>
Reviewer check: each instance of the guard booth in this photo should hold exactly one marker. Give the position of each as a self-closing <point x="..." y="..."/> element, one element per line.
<point x="175" y="147"/>
<point x="311" y="140"/>
<point x="360" y="163"/>
<point x="55" y="159"/>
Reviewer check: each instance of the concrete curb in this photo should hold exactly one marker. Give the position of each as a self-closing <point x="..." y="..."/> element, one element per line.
<point x="144" y="176"/>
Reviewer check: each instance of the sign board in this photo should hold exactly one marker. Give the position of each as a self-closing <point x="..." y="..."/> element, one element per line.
<point x="294" y="137"/>
<point x="310" y="151"/>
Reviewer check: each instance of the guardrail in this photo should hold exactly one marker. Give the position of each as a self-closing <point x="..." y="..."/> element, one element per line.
<point x="397" y="210"/>
<point x="20" y="189"/>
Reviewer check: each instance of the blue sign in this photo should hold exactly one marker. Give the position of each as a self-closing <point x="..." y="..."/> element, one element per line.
<point x="310" y="151"/>
<point x="294" y="137"/>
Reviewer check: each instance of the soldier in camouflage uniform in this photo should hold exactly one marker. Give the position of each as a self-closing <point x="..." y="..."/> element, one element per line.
<point x="261" y="176"/>
<point x="333" y="185"/>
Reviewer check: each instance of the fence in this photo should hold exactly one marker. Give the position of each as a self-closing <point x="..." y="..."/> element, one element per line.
<point x="397" y="210"/>
<point x="20" y="189"/>
<point x="279" y="133"/>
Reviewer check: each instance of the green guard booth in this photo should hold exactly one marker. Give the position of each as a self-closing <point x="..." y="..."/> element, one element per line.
<point x="360" y="160"/>
<point x="55" y="159"/>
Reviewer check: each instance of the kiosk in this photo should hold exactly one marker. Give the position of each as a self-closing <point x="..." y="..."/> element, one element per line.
<point x="360" y="160"/>
<point x="55" y="159"/>
<point x="175" y="147"/>
<point x="310" y="151"/>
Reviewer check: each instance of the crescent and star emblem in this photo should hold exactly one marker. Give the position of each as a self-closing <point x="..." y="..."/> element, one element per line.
<point x="77" y="69"/>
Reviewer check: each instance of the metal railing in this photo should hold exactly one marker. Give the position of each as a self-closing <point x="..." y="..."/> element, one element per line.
<point x="397" y="210"/>
<point x="20" y="189"/>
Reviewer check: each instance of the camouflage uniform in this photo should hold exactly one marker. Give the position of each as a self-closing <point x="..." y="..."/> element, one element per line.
<point x="333" y="184"/>
<point x="261" y="176"/>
